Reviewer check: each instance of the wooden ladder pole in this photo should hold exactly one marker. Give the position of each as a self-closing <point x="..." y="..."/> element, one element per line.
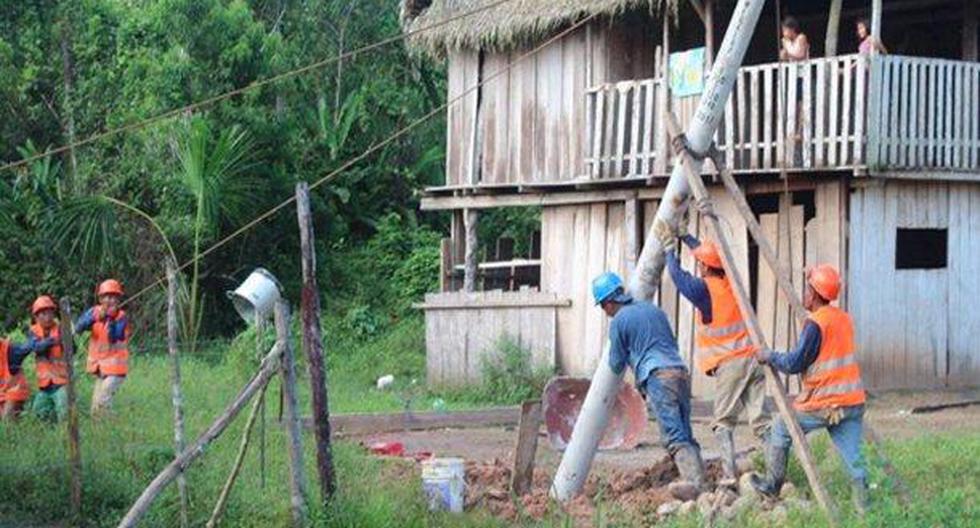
<point x="776" y="388"/>
<point x="297" y="486"/>
<point x="175" y="393"/>
<point x="74" y="441"/>
<point x="785" y="282"/>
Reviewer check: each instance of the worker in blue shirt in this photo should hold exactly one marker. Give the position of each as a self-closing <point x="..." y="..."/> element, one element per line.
<point x="14" y="390"/>
<point x="640" y="336"/>
<point x="724" y="348"/>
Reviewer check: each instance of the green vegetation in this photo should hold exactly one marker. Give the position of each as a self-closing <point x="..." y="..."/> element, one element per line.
<point x="121" y="455"/>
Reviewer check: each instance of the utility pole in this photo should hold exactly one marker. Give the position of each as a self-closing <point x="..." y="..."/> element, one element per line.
<point x="645" y="280"/>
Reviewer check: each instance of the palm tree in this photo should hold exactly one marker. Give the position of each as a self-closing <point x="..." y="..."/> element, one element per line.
<point x="213" y="172"/>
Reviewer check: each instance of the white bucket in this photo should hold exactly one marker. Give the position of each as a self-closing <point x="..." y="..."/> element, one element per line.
<point x="444" y="484"/>
<point x="257" y="295"/>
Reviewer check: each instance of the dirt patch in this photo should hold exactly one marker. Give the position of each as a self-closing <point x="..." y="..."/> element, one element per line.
<point x="638" y="492"/>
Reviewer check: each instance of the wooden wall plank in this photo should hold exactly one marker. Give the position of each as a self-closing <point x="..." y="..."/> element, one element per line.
<point x="548" y="149"/>
<point x="494" y="114"/>
<point x="766" y="288"/>
<point x="595" y="259"/>
<point x="768" y="93"/>
<point x="963" y="326"/>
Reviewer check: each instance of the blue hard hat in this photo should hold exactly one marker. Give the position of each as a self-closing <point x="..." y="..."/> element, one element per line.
<point x="605" y="286"/>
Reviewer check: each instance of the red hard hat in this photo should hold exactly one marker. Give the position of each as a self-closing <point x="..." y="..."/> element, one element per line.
<point x="707" y="253"/>
<point x="43" y="303"/>
<point x="825" y="280"/>
<point x="109" y="287"/>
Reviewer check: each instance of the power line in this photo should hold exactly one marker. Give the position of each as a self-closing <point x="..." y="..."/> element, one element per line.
<point x="374" y="148"/>
<point x="247" y="88"/>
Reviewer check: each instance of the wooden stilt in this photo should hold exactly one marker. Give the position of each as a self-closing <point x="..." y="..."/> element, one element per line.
<point x="776" y="388"/>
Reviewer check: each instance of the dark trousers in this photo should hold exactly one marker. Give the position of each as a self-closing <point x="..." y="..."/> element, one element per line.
<point x="668" y="395"/>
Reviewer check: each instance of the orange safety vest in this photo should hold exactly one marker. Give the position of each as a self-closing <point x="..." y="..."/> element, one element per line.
<point x="726" y="337"/>
<point x="834" y="378"/>
<point x="13" y="387"/>
<point x="105" y="358"/>
<point x="51" y="369"/>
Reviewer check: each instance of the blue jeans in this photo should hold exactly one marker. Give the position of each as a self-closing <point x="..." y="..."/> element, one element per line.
<point x="668" y="395"/>
<point x="846" y="435"/>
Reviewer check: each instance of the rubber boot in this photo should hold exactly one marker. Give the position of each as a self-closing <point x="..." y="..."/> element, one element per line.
<point x="691" y="469"/>
<point x="726" y="443"/>
<point x="859" y="496"/>
<point x="772" y="483"/>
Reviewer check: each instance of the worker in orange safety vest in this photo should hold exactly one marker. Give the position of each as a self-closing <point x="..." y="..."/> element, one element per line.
<point x="108" y="348"/>
<point x="725" y="351"/>
<point x="52" y="370"/>
<point x="833" y="394"/>
<point x="14" y="390"/>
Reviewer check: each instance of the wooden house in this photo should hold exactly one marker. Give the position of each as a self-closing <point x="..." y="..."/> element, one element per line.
<point x="871" y="163"/>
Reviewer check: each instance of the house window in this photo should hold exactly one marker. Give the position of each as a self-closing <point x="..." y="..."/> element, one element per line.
<point x="920" y="248"/>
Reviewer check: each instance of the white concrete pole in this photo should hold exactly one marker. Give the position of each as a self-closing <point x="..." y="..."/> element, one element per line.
<point x="645" y="280"/>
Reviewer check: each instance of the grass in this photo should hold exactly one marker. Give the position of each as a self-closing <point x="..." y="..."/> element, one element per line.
<point x="122" y="454"/>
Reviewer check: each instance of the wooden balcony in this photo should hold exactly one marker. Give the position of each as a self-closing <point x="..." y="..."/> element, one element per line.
<point x="884" y="115"/>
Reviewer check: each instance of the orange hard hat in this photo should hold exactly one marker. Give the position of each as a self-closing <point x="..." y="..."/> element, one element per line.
<point x="42" y="303"/>
<point x="109" y="287"/>
<point x="824" y="280"/>
<point x="707" y="253"/>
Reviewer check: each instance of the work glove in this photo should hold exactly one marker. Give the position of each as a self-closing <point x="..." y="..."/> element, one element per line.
<point x="834" y="416"/>
<point x="665" y="235"/>
<point x="763" y="355"/>
<point x="681" y="230"/>
<point x="704" y="207"/>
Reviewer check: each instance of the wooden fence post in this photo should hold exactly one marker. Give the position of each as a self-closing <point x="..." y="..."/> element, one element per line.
<point x="176" y="396"/>
<point x="74" y="441"/>
<point x="294" y="444"/>
<point x="266" y="370"/>
<point x="313" y="344"/>
<point x="259" y="333"/>
<point x="777" y="390"/>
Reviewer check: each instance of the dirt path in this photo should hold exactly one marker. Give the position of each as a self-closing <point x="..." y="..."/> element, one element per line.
<point x="888" y="414"/>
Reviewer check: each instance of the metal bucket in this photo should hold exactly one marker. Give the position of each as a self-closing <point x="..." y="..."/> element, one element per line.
<point x="256" y="296"/>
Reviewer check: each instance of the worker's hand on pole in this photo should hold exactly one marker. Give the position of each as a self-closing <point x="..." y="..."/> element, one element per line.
<point x="763" y="355"/>
<point x="682" y="230"/>
<point x="665" y="235"/>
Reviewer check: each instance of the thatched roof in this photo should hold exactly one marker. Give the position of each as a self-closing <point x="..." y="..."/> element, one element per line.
<point x="503" y="26"/>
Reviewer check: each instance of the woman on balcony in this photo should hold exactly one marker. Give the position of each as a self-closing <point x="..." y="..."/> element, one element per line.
<point x="869" y="44"/>
<point x="795" y="47"/>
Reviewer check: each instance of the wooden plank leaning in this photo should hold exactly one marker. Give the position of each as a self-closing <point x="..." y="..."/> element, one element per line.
<point x="776" y="389"/>
<point x="268" y="369"/>
<point x="74" y="442"/>
<point x="785" y="283"/>
<point x="527" y="445"/>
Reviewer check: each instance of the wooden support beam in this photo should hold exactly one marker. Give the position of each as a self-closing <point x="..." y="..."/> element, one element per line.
<point x="471" y="217"/>
<point x="267" y="369"/>
<point x="633" y="228"/>
<point x="313" y="344"/>
<point x="175" y="393"/>
<point x="971" y="17"/>
<point x="776" y="389"/>
<point x="785" y="283"/>
<point x="709" y="32"/>
<point x="833" y="28"/>
<point x="74" y="442"/>
<point x="876" y="21"/>
<point x="297" y="484"/>
<point x="699" y="8"/>
<point x="527" y="446"/>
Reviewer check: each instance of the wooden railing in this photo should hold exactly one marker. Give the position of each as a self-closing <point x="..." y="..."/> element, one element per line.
<point x="925" y="113"/>
<point x="822" y="114"/>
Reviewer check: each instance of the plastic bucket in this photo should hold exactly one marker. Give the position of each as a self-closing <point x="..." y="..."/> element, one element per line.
<point x="256" y="296"/>
<point x="444" y="484"/>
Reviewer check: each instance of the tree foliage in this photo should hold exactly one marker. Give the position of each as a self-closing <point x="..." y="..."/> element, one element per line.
<point x="111" y="63"/>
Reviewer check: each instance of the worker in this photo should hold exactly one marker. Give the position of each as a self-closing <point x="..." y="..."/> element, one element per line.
<point x="51" y="401"/>
<point x="640" y="336"/>
<point x="833" y="395"/>
<point x="14" y="390"/>
<point x="724" y="348"/>
<point x="108" y="347"/>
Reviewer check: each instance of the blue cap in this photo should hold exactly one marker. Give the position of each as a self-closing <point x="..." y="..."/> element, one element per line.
<point x="605" y="286"/>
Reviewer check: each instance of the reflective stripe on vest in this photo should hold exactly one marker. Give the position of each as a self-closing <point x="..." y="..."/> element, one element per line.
<point x="726" y="337"/>
<point x="834" y="378"/>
